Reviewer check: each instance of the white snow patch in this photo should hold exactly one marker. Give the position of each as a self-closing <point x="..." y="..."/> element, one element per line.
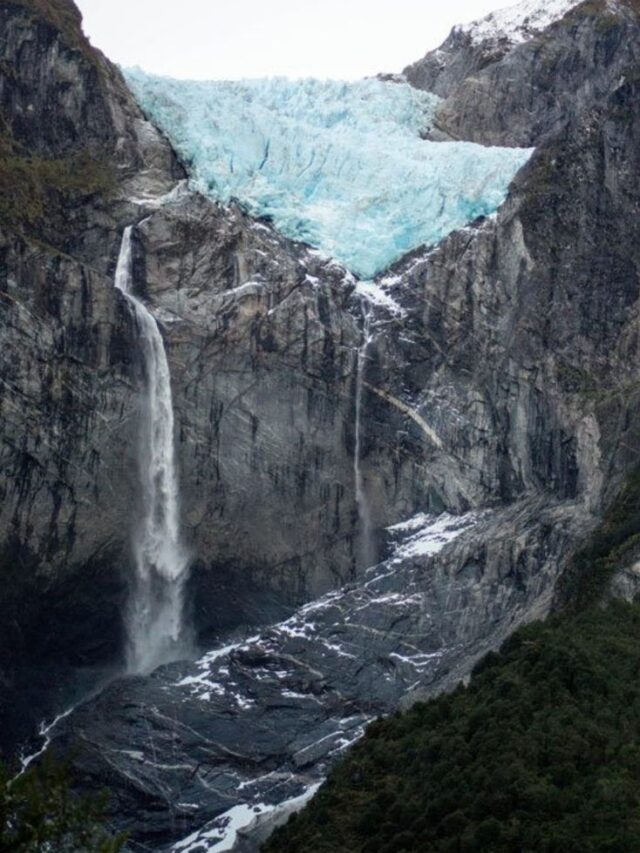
<point x="336" y="649"/>
<point x="134" y="754"/>
<point x="242" y="289"/>
<point x="243" y="702"/>
<point x="202" y="684"/>
<point x="417" y="522"/>
<point x="322" y="603"/>
<point x="395" y="599"/>
<point x="235" y="819"/>
<point x="376" y="294"/>
<point x="518" y="23"/>
<point x="45" y="732"/>
<point x="419" y="661"/>
<point x="294" y="627"/>
<point x="431" y="533"/>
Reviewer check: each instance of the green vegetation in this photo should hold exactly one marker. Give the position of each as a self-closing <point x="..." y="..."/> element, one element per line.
<point x="540" y="754"/>
<point x="65" y="16"/>
<point x="613" y="544"/>
<point x="575" y="379"/>
<point x="39" y="813"/>
<point x="35" y="190"/>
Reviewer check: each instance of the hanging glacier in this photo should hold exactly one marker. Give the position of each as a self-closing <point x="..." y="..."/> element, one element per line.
<point x="342" y="166"/>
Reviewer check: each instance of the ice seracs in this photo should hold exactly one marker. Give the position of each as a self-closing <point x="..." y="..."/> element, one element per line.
<point x="340" y="166"/>
<point x="518" y="23"/>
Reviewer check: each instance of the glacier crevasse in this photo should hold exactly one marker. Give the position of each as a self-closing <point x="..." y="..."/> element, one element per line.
<point x="340" y="166"/>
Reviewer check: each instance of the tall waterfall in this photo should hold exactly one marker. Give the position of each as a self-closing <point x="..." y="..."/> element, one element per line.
<point x="156" y="629"/>
<point x="366" y="547"/>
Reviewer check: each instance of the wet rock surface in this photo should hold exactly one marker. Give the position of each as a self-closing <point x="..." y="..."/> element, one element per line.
<point x="70" y="377"/>
<point x="196" y="752"/>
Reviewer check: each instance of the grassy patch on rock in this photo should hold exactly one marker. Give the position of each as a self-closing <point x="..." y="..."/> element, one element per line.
<point x="35" y="189"/>
<point x="39" y="812"/>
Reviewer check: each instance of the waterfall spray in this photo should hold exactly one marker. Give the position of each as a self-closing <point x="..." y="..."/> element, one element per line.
<point x="156" y="629"/>
<point x="367" y="548"/>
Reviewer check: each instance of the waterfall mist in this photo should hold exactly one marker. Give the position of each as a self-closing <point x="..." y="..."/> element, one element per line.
<point x="157" y="633"/>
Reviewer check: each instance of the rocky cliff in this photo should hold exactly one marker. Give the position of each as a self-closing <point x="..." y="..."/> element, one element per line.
<point x="510" y="88"/>
<point x="262" y="339"/>
<point x="75" y="150"/>
<point x="501" y="377"/>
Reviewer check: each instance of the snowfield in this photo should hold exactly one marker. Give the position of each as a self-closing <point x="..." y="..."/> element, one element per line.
<point x="518" y="23"/>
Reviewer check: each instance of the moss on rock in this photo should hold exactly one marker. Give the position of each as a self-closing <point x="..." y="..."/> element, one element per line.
<point x="33" y="188"/>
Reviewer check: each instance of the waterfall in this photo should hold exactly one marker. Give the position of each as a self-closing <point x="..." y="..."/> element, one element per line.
<point x="156" y="630"/>
<point x="367" y="548"/>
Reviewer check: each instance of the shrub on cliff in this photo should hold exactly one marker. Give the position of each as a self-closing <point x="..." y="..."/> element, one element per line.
<point x="34" y="188"/>
<point x="39" y="813"/>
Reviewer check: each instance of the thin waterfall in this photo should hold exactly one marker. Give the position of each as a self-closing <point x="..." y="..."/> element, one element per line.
<point x="366" y="545"/>
<point x="156" y="630"/>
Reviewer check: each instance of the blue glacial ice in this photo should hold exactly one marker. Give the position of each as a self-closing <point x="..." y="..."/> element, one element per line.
<point x="340" y="166"/>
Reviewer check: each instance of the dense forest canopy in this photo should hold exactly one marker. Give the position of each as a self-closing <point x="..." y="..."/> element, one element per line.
<point x="540" y="753"/>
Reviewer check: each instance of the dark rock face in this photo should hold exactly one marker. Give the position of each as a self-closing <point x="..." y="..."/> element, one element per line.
<point x="47" y="75"/>
<point x="459" y="57"/>
<point x="501" y="381"/>
<point x="196" y="750"/>
<point x="262" y="344"/>
<point x="68" y="401"/>
<point x="497" y="93"/>
<point x="70" y="375"/>
<point x="531" y="321"/>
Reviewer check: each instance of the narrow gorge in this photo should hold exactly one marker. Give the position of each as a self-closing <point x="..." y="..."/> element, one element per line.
<point x="313" y="393"/>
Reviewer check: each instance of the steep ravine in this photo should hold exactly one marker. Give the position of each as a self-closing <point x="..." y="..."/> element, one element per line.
<point x="501" y="384"/>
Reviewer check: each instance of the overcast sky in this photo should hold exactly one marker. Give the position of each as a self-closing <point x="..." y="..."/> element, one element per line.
<point x="227" y="39"/>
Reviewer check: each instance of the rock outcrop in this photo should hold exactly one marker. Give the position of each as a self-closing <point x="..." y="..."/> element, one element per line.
<point x="201" y="752"/>
<point x="502" y="93"/>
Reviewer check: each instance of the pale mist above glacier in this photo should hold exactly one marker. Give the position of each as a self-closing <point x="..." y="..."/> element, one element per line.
<point x="340" y="166"/>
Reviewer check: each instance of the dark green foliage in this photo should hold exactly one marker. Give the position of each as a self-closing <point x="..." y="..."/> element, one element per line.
<point x="34" y="188"/>
<point x="541" y="754"/>
<point x="592" y="568"/>
<point x="38" y="813"/>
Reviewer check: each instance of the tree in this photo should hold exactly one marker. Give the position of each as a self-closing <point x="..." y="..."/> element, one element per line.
<point x="39" y="813"/>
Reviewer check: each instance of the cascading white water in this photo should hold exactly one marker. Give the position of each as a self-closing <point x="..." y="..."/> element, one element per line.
<point x="367" y="548"/>
<point x="156" y="630"/>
